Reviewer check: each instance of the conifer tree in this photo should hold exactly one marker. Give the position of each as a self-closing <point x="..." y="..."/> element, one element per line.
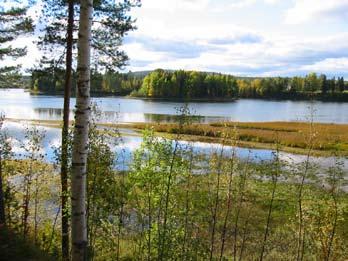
<point x="13" y="23"/>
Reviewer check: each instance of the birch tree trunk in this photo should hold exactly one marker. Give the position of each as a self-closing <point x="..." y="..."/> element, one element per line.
<point x="80" y="140"/>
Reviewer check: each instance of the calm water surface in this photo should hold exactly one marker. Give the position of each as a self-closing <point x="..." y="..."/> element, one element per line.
<point x="16" y="103"/>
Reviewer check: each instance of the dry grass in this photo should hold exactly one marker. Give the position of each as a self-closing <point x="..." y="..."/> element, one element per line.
<point x="326" y="137"/>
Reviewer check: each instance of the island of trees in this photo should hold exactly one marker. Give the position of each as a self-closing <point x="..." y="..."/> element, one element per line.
<point x="181" y="84"/>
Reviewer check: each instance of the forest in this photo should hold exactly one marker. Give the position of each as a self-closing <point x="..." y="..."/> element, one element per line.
<point x="167" y="200"/>
<point x="183" y="84"/>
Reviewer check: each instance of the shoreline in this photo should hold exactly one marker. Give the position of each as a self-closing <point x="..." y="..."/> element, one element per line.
<point x="263" y="138"/>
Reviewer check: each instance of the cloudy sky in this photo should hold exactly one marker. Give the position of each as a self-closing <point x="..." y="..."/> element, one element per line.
<point x="239" y="37"/>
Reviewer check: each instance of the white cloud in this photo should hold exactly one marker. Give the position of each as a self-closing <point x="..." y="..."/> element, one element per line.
<point x="329" y="65"/>
<point x="243" y="4"/>
<point x="272" y="1"/>
<point x="139" y="52"/>
<point x="306" y="10"/>
<point x="269" y="57"/>
<point x="169" y="5"/>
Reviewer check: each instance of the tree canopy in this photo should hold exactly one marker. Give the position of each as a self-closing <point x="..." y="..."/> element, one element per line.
<point x="111" y="21"/>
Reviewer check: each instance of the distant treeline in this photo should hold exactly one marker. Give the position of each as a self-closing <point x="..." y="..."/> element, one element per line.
<point x="109" y="83"/>
<point x="200" y="85"/>
<point x="192" y="84"/>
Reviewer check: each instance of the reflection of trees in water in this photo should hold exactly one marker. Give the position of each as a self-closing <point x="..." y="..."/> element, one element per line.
<point x="149" y="117"/>
<point x="49" y="113"/>
<point x="110" y="117"/>
<point x="115" y="117"/>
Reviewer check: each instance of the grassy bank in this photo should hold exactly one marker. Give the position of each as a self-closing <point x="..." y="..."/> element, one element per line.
<point x="293" y="137"/>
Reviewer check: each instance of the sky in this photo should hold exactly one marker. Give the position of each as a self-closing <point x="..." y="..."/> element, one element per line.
<point x="239" y="37"/>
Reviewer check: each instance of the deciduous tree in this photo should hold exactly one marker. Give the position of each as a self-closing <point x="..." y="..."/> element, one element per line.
<point x="80" y="150"/>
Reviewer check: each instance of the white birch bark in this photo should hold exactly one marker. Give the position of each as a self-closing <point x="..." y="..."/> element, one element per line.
<point x="80" y="140"/>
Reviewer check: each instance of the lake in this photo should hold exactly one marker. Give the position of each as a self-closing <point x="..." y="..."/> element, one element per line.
<point x="128" y="144"/>
<point x="19" y="104"/>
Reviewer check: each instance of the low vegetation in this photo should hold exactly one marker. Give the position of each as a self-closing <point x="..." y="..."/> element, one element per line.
<point x="291" y="136"/>
<point x="171" y="202"/>
<point x="330" y="138"/>
<point x="14" y="247"/>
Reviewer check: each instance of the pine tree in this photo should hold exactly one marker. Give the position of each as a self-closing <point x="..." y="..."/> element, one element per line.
<point x="13" y="23"/>
<point x="323" y="83"/>
<point x="340" y="83"/>
<point x="110" y="24"/>
<point x="333" y="85"/>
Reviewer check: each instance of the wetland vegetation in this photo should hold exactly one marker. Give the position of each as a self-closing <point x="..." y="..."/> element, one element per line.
<point x="176" y="203"/>
<point x="290" y="136"/>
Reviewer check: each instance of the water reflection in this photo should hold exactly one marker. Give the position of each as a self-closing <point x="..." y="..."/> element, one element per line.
<point x="105" y="116"/>
<point x="128" y="144"/>
<point x="152" y="117"/>
<point x="120" y="117"/>
<point x="17" y="133"/>
<point x="16" y="103"/>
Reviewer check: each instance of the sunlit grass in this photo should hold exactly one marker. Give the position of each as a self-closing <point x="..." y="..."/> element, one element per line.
<point x="328" y="138"/>
<point x="292" y="136"/>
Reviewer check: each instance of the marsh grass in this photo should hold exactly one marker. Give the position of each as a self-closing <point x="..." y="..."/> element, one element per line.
<point x="330" y="138"/>
<point x="291" y="135"/>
